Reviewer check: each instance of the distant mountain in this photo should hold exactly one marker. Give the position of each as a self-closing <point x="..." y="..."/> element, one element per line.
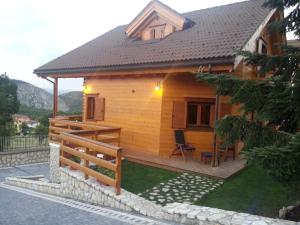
<point x="73" y="100"/>
<point x="36" y="97"/>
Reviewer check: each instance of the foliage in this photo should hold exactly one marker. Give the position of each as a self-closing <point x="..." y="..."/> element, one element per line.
<point x="282" y="162"/>
<point x="270" y="107"/>
<point x="9" y="103"/>
<point x="43" y="127"/>
<point x="34" y="113"/>
<point x="254" y="192"/>
<point x="75" y="159"/>
<point x="25" y="129"/>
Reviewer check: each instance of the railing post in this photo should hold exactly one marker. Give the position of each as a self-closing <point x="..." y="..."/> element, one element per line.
<point x="86" y="163"/>
<point x="118" y="175"/>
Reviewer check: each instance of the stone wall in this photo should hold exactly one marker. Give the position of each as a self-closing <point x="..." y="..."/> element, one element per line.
<point x="35" y="185"/>
<point x="73" y="185"/>
<point x="15" y="158"/>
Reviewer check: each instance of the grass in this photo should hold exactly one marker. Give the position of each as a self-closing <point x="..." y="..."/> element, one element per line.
<point x="253" y="191"/>
<point x="137" y="178"/>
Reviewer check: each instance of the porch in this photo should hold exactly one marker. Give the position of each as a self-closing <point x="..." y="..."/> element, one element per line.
<point x="74" y="134"/>
<point x="225" y="170"/>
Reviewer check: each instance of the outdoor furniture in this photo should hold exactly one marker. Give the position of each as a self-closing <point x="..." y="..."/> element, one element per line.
<point x="223" y="152"/>
<point x="181" y="145"/>
<point x="206" y="157"/>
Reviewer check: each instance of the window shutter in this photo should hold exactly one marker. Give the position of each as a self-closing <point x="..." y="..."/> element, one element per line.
<point x="212" y="118"/>
<point x="179" y="115"/>
<point x="99" y="109"/>
<point x="225" y="110"/>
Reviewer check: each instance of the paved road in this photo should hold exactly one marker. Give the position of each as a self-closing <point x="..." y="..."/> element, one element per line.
<point x="24" y="207"/>
<point x="25" y="170"/>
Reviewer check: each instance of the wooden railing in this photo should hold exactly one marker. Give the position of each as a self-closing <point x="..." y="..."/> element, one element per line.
<point x="88" y="141"/>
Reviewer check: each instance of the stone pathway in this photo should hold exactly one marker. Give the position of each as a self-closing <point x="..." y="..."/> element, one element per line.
<point x="186" y="188"/>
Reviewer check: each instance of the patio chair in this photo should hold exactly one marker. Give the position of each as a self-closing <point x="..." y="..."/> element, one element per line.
<point x="223" y="151"/>
<point x="181" y="145"/>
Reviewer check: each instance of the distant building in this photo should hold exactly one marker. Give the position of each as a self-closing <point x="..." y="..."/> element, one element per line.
<point x="19" y="119"/>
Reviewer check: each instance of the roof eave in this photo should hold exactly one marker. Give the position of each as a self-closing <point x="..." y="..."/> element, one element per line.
<point x="175" y="64"/>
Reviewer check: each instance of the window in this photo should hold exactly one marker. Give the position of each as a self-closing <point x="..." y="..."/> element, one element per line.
<point x="200" y="114"/>
<point x="157" y="32"/>
<point x="262" y="47"/>
<point x="196" y="113"/>
<point x="90" y="108"/>
<point x="95" y="107"/>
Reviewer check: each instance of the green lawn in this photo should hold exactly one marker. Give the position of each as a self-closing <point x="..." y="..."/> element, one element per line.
<point x="253" y="191"/>
<point x="137" y="178"/>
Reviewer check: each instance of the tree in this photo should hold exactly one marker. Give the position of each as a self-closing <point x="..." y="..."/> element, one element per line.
<point x="270" y="108"/>
<point x="9" y="103"/>
<point x="25" y="129"/>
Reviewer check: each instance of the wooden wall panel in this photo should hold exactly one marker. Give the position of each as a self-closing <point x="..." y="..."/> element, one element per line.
<point x="134" y="105"/>
<point x="176" y="88"/>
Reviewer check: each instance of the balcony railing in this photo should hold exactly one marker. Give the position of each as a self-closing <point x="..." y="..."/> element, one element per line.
<point x="91" y="144"/>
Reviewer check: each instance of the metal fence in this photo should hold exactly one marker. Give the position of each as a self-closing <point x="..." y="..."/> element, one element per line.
<point x="13" y="143"/>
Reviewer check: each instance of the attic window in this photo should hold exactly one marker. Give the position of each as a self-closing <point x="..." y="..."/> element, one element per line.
<point x="262" y="47"/>
<point x="157" y="32"/>
<point x="156" y="21"/>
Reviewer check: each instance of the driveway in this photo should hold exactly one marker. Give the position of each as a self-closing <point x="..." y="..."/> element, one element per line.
<point x="25" y="207"/>
<point x="25" y="170"/>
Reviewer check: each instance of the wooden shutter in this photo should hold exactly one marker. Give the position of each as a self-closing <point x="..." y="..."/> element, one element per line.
<point x="225" y="109"/>
<point x="179" y="115"/>
<point x="212" y="118"/>
<point x="99" y="109"/>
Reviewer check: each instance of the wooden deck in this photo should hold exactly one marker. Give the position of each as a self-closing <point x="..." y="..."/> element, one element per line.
<point x="224" y="171"/>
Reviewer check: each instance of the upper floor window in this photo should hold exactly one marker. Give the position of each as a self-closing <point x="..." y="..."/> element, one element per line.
<point x="157" y="32"/>
<point x="262" y="47"/>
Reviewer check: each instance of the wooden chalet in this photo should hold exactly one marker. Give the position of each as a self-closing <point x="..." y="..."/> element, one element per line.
<point x="140" y="86"/>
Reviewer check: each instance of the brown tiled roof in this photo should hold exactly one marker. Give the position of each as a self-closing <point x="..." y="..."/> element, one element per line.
<point x="215" y="34"/>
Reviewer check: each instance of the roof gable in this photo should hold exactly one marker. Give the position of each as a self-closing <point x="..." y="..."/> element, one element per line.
<point x="155" y="10"/>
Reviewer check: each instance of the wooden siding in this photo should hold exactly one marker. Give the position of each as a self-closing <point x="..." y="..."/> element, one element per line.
<point x="134" y="105"/>
<point x="177" y="88"/>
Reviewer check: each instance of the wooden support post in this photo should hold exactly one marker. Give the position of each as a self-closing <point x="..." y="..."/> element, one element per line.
<point x="86" y="163"/>
<point x="55" y="97"/>
<point x="215" y="157"/>
<point x="118" y="172"/>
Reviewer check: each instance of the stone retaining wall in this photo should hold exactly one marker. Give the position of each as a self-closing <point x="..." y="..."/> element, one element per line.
<point x="15" y="158"/>
<point x="35" y="185"/>
<point x="73" y="185"/>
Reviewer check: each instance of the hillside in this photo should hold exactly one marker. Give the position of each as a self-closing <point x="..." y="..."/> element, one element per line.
<point x="73" y="100"/>
<point x="36" y="101"/>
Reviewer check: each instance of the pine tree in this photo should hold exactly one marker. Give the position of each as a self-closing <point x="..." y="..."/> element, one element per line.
<point x="273" y="104"/>
<point x="9" y="103"/>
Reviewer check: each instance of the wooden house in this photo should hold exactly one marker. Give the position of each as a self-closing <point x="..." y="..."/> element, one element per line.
<point x="141" y="76"/>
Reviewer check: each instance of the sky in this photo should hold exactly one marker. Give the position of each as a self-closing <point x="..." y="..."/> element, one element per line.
<point x="33" y="32"/>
